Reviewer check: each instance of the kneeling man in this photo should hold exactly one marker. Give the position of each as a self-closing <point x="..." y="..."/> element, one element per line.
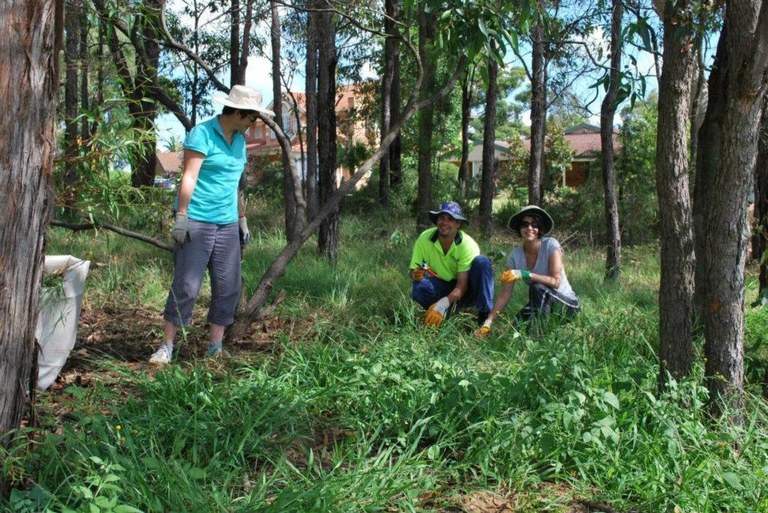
<point x="448" y="269"/>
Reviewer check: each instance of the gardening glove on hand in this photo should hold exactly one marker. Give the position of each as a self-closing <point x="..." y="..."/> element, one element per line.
<point x="245" y="234"/>
<point x="484" y="330"/>
<point x="436" y="313"/>
<point x="512" y="275"/>
<point x="417" y="274"/>
<point x="180" y="231"/>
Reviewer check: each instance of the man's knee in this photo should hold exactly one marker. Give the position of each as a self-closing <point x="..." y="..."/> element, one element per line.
<point x="481" y="263"/>
<point x="421" y="292"/>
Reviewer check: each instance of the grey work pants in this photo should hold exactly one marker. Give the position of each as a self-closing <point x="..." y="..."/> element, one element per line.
<point x="214" y="247"/>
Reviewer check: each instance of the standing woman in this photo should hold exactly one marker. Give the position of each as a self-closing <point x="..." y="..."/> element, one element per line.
<point x="539" y="264"/>
<point x="210" y="222"/>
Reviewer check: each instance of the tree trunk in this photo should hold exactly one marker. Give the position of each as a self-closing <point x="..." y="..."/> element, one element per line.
<point x="676" y="306"/>
<point x="466" y="114"/>
<point x="538" y="116"/>
<point x="328" y="236"/>
<point x="489" y="147"/>
<point x="607" y="114"/>
<point x="294" y="216"/>
<point x="698" y="95"/>
<point x="145" y="109"/>
<point x="760" y="239"/>
<point x="727" y="152"/>
<point x="236" y="73"/>
<point x="239" y="40"/>
<point x="426" y="121"/>
<point x="72" y="141"/>
<point x="311" y="179"/>
<point x="86" y="126"/>
<point x="29" y="55"/>
<point x="396" y="148"/>
<point x="387" y="83"/>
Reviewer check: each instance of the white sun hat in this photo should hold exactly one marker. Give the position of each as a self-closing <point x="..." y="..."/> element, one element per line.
<point x="244" y="98"/>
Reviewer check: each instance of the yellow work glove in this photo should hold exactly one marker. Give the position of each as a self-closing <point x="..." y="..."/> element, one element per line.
<point x="436" y="313"/>
<point x="484" y="330"/>
<point x="512" y="275"/>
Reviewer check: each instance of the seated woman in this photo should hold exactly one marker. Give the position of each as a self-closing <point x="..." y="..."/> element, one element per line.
<point x="538" y="263"/>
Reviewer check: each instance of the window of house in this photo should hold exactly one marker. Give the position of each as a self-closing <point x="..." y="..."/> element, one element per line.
<point x="287" y="120"/>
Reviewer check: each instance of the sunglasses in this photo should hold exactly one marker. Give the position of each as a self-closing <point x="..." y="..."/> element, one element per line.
<point x="532" y="224"/>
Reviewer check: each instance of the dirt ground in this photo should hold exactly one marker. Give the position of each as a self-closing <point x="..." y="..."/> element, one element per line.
<point x="130" y="336"/>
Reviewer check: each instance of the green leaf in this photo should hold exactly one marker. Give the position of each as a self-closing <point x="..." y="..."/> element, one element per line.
<point x="104" y="502"/>
<point x="733" y="480"/>
<point x="610" y="398"/>
<point x="122" y="508"/>
<point x="196" y="473"/>
<point x="83" y="491"/>
<point x="110" y="478"/>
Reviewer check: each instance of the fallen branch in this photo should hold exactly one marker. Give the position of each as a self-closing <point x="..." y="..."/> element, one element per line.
<point x="106" y="226"/>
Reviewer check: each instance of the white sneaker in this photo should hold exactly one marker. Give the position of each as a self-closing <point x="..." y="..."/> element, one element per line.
<point x="161" y="357"/>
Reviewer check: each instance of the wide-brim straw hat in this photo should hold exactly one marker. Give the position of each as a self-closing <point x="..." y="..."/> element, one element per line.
<point x="451" y="208"/>
<point x="243" y="98"/>
<point x="532" y="210"/>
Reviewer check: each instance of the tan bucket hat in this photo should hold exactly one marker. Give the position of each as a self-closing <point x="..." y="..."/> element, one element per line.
<point x="243" y="98"/>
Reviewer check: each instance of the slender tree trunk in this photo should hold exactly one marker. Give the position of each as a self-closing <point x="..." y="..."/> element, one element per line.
<point x="293" y="217"/>
<point x="311" y="178"/>
<point x="239" y="40"/>
<point x="760" y="239"/>
<point x="387" y="82"/>
<point x="328" y="236"/>
<point x="72" y="141"/>
<point x="236" y="74"/>
<point x="607" y="114"/>
<point x="538" y="116"/>
<point x="396" y="148"/>
<point x="466" y="114"/>
<point x="727" y="152"/>
<point x="489" y="148"/>
<point x="698" y="90"/>
<point x="146" y="76"/>
<point x="29" y="54"/>
<point x="426" y="121"/>
<point x="86" y="128"/>
<point x="676" y="290"/>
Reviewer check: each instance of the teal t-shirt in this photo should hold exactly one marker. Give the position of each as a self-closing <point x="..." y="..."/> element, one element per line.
<point x="446" y="265"/>
<point x="214" y="199"/>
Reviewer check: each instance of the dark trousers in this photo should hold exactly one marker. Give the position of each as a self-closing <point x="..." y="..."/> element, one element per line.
<point x="479" y="294"/>
<point x="543" y="301"/>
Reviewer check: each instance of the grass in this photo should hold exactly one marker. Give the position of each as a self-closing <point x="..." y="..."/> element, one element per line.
<point x="369" y="411"/>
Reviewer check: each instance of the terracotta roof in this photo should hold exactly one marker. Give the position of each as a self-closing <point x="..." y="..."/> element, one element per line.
<point x="170" y="161"/>
<point x="584" y="140"/>
<point x="259" y="140"/>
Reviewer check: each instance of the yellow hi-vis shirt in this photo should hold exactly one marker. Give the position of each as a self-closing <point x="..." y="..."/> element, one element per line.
<point x="446" y="265"/>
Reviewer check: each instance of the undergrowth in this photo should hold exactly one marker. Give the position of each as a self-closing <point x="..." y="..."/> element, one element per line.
<point x="370" y="411"/>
